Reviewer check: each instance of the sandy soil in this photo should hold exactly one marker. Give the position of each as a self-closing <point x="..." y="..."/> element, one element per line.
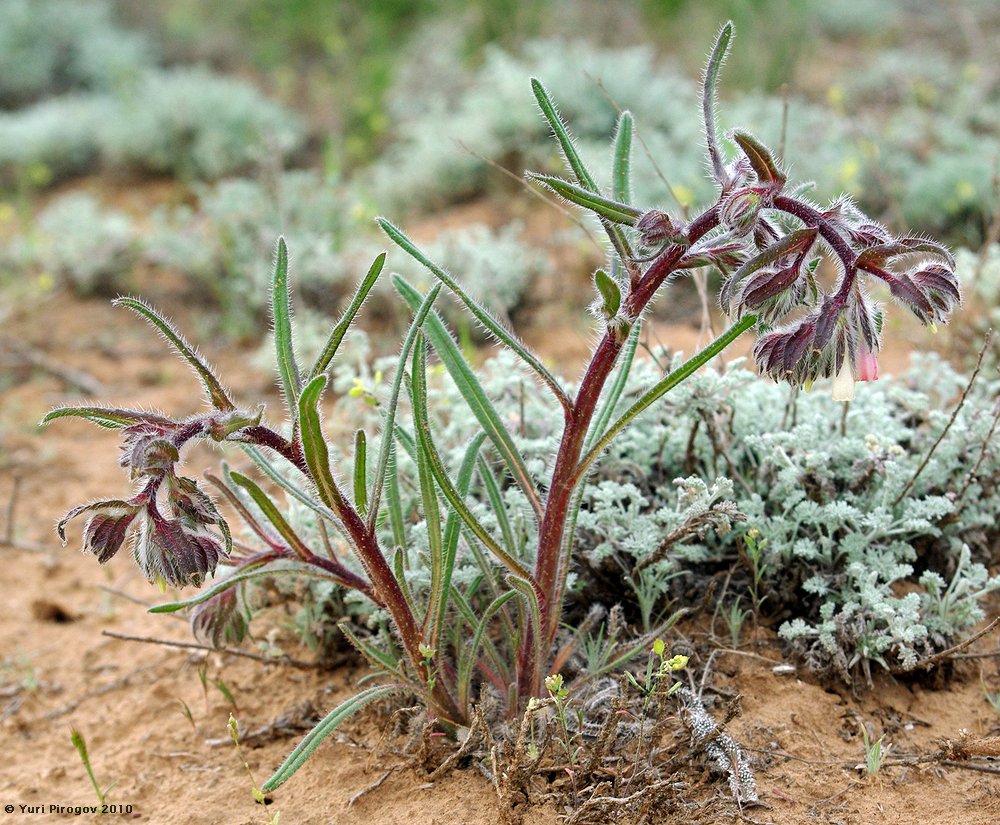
<point x="127" y="698"/>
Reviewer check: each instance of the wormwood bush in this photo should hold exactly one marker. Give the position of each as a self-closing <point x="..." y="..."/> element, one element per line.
<point x="224" y="244"/>
<point x="91" y="247"/>
<point x="55" y="46"/>
<point x="501" y="630"/>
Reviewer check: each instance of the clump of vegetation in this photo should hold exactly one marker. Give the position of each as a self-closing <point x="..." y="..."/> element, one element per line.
<point x="90" y="247"/>
<point x="471" y="581"/>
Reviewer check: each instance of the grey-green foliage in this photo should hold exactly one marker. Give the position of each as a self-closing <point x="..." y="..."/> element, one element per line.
<point x="193" y="123"/>
<point x="79" y="241"/>
<point x="491" y="117"/>
<point x="839" y="552"/>
<point x="837" y="545"/>
<point x="187" y="122"/>
<point x="54" y="138"/>
<point x="54" y="46"/>
<point x="980" y="273"/>
<point x="226" y="243"/>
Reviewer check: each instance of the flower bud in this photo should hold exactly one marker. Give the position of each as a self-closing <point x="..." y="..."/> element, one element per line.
<point x="656" y="228"/>
<point x="741" y="208"/>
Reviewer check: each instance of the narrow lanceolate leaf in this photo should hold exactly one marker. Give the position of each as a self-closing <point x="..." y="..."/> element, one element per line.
<point x="109" y="417"/>
<point x="761" y="161"/>
<point x="621" y="168"/>
<point x="273" y="515"/>
<point x="344" y="324"/>
<point x="497" y="504"/>
<point x="526" y="591"/>
<point x="272" y="472"/>
<point x="708" y="97"/>
<point x="440" y="567"/>
<point x="247" y="573"/>
<point x="360" y="472"/>
<point x="420" y="309"/>
<point x="394" y="501"/>
<point x="467" y="657"/>
<point x="216" y="394"/>
<point x="297" y="758"/>
<point x="453" y="526"/>
<point x="376" y="657"/>
<point x="610" y="292"/>
<point x="314" y="445"/>
<point x="666" y="384"/>
<point x="281" y="315"/>
<point x="428" y="451"/>
<point x="472" y="391"/>
<point x="478" y="311"/>
<point x="575" y="163"/>
<point x="612" y="210"/>
<point x="551" y="113"/>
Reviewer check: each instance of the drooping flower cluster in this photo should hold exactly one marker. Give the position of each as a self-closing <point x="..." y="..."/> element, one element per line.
<point x="177" y="534"/>
<point x="769" y="244"/>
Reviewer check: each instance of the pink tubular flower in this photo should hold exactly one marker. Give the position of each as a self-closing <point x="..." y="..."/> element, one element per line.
<point x="867" y="364"/>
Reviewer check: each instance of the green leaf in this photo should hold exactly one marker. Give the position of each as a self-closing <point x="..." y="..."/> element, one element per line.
<point x="399" y="568"/>
<point x="247" y="573"/>
<point x="428" y="452"/>
<point x="293" y="490"/>
<point x="467" y="658"/>
<point x="761" y="161"/>
<point x="453" y="526"/>
<point x="470" y="388"/>
<point x="610" y="292"/>
<point x="441" y="567"/>
<point x="526" y="591"/>
<point x="551" y="113"/>
<point x="328" y="725"/>
<point x="216" y="394"/>
<point x="576" y="165"/>
<point x="396" y="522"/>
<point x="273" y="515"/>
<point x="337" y="335"/>
<point x="378" y="659"/>
<point x="360" y="472"/>
<point x="612" y="210"/>
<point x="314" y="446"/>
<point x="708" y="98"/>
<point x="281" y="315"/>
<point x="621" y="169"/>
<point x="497" y="504"/>
<point x="109" y="417"/>
<point x="477" y="310"/>
<point x="665" y="384"/>
<point x="420" y="310"/>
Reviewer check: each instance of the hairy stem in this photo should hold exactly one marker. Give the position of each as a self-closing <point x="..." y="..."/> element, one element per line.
<point x="564" y="478"/>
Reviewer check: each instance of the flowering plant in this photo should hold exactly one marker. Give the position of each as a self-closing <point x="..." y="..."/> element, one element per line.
<point x="758" y="231"/>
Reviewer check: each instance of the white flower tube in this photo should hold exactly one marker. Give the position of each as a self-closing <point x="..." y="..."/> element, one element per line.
<point x="843" y="383"/>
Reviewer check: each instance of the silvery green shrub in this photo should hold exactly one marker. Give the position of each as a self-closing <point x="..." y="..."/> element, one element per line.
<point x="55" y="46"/>
<point x="79" y="241"/>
